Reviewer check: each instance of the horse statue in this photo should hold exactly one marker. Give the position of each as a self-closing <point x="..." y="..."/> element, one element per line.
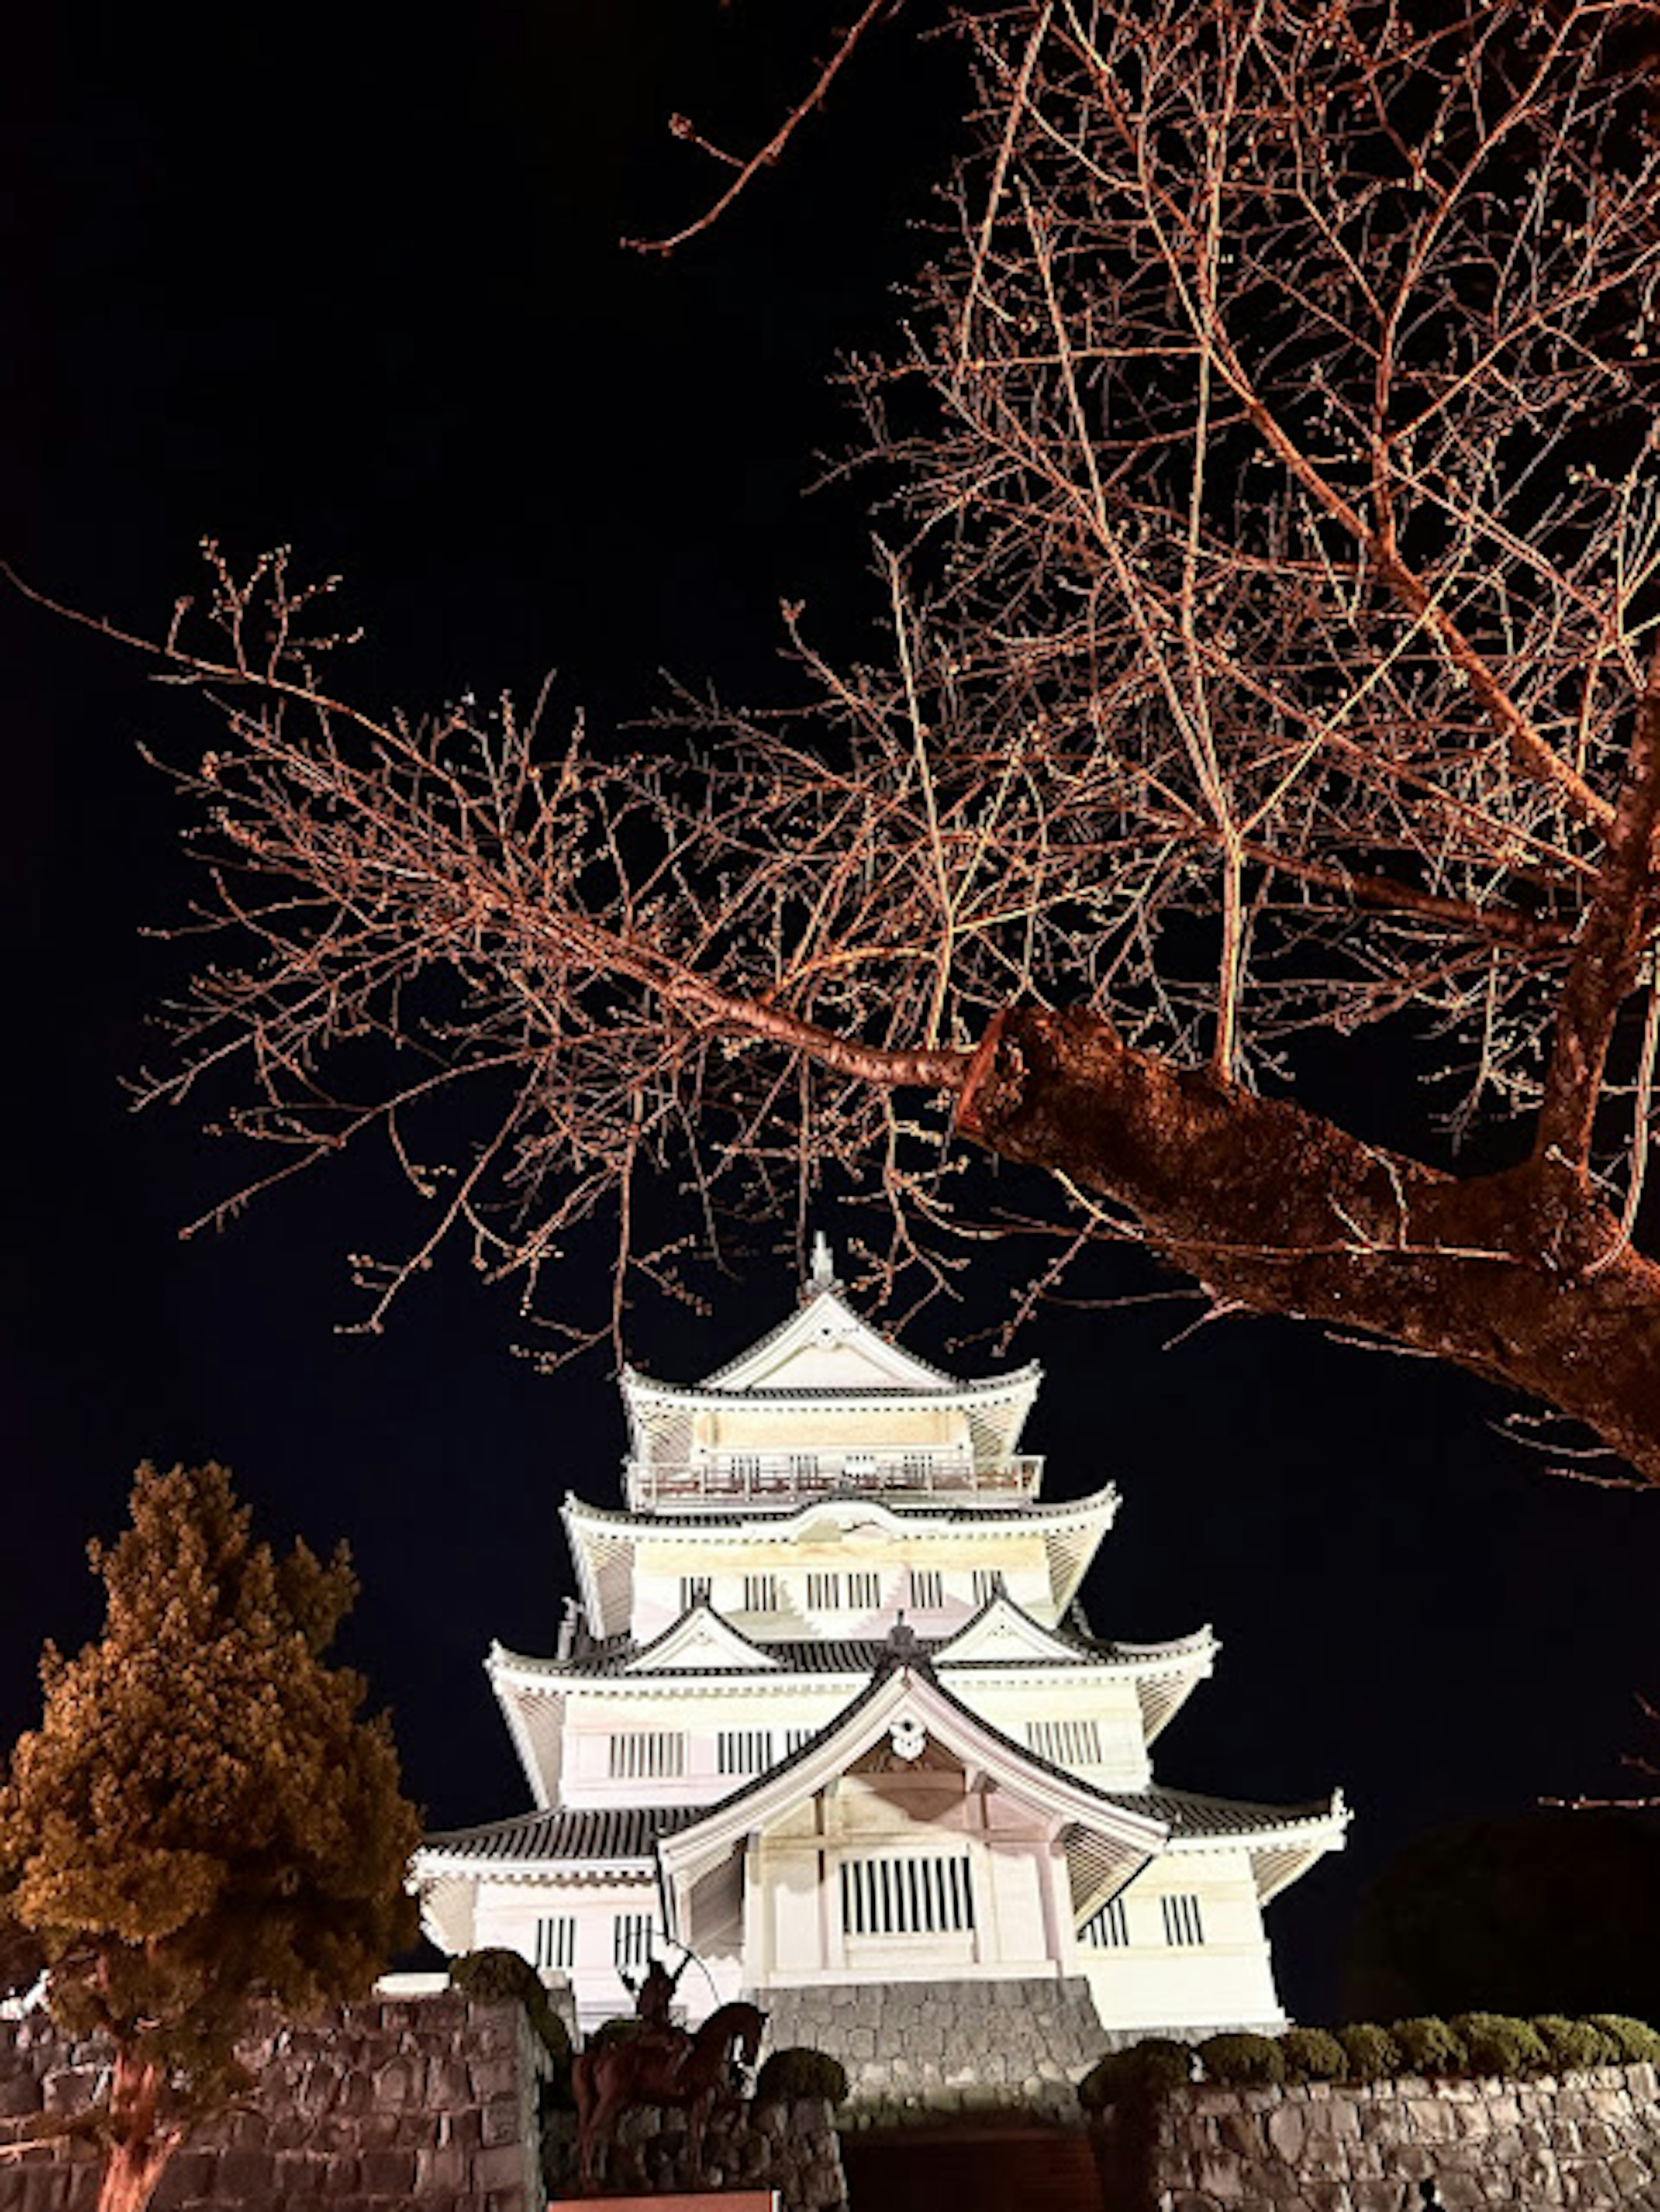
<point x="695" y="2071"/>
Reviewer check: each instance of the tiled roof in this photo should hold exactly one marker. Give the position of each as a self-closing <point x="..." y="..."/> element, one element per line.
<point x="853" y="1655"/>
<point x="1189" y="1813"/>
<point x="653" y="1527"/>
<point x="607" y="1832"/>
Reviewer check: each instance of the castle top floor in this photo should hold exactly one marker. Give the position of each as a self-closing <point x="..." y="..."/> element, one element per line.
<point x="826" y="1404"/>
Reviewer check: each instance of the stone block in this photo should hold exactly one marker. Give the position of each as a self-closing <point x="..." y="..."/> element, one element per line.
<point x="1378" y="2195"/>
<point x="437" y="2170"/>
<point x="389" y="2172"/>
<point x="1630" y="2173"/>
<point x="1287" y="2128"/>
<point x="1430" y="2119"/>
<point x="246" y="2173"/>
<point x="1242" y="2132"/>
<point x="493" y="2077"/>
<point x="500" y="2166"/>
<point x="1220" y="2174"/>
<point x="1458" y="2192"/>
<point x="20" y="2093"/>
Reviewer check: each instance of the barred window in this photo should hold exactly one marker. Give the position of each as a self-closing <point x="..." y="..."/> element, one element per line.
<point x="746" y="1466"/>
<point x="913" y="1896"/>
<point x="824" y="1593"/>
<point x="760" y="1593"/>
<point x="647" y="1755"/>
<point x="803" y="1466"/>
<point x="795" y="1737"/>
<point x="864" y="1592"/>
<point x="916" y="1466"/>
<point x="1108" y="1928"/>
<point x="927" y="1588"/>
<point x="694" y="1590"/>
<point x="743" y="1751"/>
<point x="1183" y="1926"/>
<point x="556" y="1941"/>
<point x="630" y="1940"/>
<point x="1065" y="1743"/>
<point x="986" y="1580"/>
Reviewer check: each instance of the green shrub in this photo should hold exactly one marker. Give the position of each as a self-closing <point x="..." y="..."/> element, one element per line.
<point x="1574" y="2044"/>
<point x="1634" y="2040"/>
<point x="1145" y="2069"/>
<point x="1498" y="2044"/>
<point x="493" y="1974"/>
<point x="1313" y="2054"/>
<point x="1429" y="2046"/>
<point x="799" y="2072"/>
<point x="1242" y="2058"/>
<point x="1372" y="2051"/>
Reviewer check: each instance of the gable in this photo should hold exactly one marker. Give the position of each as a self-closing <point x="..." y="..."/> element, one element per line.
<point x="1001" y="1631"/>
<point x="701" y="1640"/>
<point x="826" y="1346"/>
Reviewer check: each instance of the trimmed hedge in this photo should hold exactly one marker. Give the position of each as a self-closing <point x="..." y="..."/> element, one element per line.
<point x="1145" y="2070"/>
<point x="1634" y="2040"/>
<point x="1241" y="2059"/>
<point x="1574" y="2044"/>
<point x="1372" y="2052"/>
<point x="798" y="2071"/>
<point x="1313" y="2054"/>
<point x="1497" y="2044"/>
<point x="1430" y="2046"/>
<point x="1472" y="2044"/>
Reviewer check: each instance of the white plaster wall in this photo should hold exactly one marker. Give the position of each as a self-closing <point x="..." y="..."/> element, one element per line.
<point x="1017" y="1553"/>
<point x="507" y="1913"/>
<point x="1151" y="1984"/>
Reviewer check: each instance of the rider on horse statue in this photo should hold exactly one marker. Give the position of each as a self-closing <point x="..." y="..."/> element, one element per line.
<point x="653" y="1995"/>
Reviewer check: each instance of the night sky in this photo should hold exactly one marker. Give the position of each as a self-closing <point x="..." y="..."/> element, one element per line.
<point x="350" y="280"/>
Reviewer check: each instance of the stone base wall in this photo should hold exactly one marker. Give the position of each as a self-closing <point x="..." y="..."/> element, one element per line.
<point x="790" y="2147"/>
<point x="1589" y="2141"/>
<point x="914" y="2050"/>
<point x="427" y="2103"/>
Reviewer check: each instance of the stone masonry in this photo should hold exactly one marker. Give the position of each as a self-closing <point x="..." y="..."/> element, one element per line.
<point x="427" y="2103"/>
<point x="1590" y="2142"/>
<point x="791" y="2148"/>
<point x="914" y="2050"/>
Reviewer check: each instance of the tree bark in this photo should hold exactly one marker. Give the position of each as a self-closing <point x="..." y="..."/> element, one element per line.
<point x="138" y="2149"/>
<point x="1277" y="1210"/>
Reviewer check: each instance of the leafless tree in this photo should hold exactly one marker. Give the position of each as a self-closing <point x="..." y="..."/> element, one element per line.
<point x="1266" y="484"/>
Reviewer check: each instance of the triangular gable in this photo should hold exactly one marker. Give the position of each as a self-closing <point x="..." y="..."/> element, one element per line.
<point x="825" y="1345"/>
<point x="899" y="1702"/>
<point x="701" y="1639"/>
<point x="1003" y="1630"/>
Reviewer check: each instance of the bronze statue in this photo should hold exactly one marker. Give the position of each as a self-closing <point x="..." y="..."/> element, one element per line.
<point x="661" y="2064"/>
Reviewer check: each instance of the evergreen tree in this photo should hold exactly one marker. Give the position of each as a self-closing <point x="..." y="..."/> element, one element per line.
<point x="202" y="1823"/>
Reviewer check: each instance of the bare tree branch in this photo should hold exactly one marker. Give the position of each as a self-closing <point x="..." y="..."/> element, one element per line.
<point x="1267" y="648"/>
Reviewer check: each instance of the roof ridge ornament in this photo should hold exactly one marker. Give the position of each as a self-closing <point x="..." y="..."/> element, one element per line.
<point x="821" y="1273"/>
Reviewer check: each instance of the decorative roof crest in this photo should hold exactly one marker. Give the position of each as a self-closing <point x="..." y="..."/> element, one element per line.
<point x="821" y="1273"/>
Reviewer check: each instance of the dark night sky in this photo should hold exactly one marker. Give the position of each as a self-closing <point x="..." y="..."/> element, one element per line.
<point x="341" y="278"/>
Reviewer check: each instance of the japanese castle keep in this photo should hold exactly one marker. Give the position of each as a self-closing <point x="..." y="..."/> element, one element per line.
<point x="828" y="1713"/>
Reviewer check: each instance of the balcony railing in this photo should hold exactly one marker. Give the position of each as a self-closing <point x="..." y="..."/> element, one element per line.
<point x="777" y="1477"/>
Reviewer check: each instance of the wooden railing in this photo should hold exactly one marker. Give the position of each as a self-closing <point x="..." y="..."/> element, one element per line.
<point x="774" y="1477"/>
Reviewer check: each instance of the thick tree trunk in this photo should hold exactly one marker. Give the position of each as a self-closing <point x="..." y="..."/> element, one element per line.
<point x="1519" y="1276"/>
<point x="138" y="2149"/>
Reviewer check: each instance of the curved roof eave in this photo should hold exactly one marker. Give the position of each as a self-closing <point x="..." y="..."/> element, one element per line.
<point x="638" y="1528"/>
<point x="1021" y="1382"/>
